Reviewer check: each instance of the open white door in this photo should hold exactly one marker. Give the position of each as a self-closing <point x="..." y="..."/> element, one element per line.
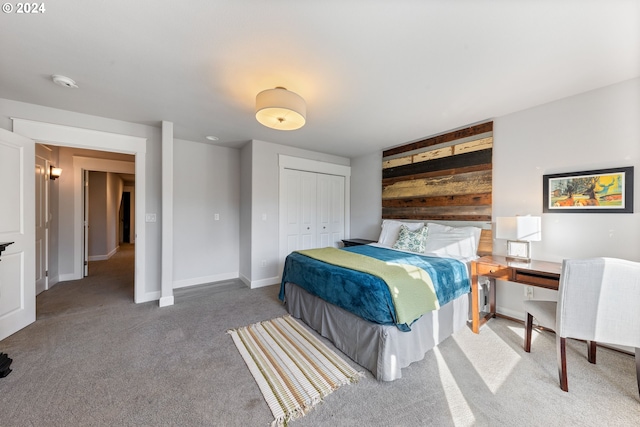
<point x="42" y="224"/>
<point x="17" y="224"/>
<point x="85" y="223"/>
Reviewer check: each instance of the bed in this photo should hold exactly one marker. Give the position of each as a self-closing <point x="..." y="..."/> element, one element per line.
<point x="328" y="297"/>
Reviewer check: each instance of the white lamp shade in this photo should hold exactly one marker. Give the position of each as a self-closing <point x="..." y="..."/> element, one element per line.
<point x="280" y="109"/>
<point x="525" y="228"/>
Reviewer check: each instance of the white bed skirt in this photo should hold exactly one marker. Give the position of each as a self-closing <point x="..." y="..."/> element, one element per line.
<point x="382" y="349"/>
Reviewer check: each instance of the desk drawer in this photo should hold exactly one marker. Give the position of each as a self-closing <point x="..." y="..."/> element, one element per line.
<point x="495" y="271"/>
<point x="540" y="280"/>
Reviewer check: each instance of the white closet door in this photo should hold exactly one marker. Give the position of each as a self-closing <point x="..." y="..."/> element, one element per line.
<point x="330" y="210"/>
<point x="300" y="206"/>
<point x="307" y="199"/>
<point x="314" y="210"/>
<point x="336" y="225"/>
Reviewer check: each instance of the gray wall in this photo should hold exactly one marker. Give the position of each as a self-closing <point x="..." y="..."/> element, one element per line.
<point x="206" y="182"/>
<point x="366" y="196"/>
<point x="594" y="130"/>
<point x="97" y="215"/>
<point x="105" y="196"/>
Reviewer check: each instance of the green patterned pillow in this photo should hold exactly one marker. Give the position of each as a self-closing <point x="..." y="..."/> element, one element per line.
<point x="411" y="240"/>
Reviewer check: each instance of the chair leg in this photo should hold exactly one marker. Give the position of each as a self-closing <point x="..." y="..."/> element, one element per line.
<point x="528" y="325"/>
<point x="561" y="346"/>
<point x="591" y="351"/>
<point x="638" y="367"/>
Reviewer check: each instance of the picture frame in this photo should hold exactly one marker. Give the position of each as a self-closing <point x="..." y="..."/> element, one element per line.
<point x="594" y="191"/>
<point x="518" y="250"/>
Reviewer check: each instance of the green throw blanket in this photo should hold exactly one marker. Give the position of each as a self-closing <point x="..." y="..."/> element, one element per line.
<point x="411" y="287"/>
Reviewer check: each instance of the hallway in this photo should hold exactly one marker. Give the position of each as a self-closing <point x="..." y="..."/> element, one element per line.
<point x="109" y="283"/>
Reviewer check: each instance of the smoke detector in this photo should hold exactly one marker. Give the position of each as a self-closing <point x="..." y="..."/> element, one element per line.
<point x="64" y="81"/>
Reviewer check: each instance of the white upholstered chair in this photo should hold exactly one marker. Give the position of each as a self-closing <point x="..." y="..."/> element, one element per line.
<point x="598" y="301"/>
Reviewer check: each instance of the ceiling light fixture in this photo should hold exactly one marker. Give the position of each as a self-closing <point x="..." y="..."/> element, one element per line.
<point x="281" y="109"/>
<point x="212" y="138"/>
<point x="64" y="81"/>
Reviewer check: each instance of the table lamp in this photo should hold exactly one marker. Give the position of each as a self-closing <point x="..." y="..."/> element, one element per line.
<point x="519" y="231"/>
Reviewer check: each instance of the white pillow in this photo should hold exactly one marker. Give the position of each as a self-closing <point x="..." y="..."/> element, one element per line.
<point x="391" y="228"/>
<point x="443" y="240"/>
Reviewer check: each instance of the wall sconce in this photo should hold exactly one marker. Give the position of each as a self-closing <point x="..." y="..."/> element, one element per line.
<point x="519" y="231"/>
<point x="280" y="109"/>
<point x="54" y="173"/>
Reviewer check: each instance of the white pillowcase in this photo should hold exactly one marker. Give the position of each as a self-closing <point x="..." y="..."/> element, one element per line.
<point x="391" y="228"/>
<point x="457" y="242"/>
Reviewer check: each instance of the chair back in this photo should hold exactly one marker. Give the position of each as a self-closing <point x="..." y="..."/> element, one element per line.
<point x="599" y="300"/>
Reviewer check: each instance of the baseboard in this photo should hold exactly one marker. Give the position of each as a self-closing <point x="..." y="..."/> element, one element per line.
<point x="68" y="276"/>
<point x="177" y="284"/>
<point x="166" y="301"/>
<point x="245" y="280"/>
<point x="264" y="282"/>
<point x="147" y="297"/>
<point x="511" y="314"/>
<point x="53" y="281"/>
<point x="104" y="257"/>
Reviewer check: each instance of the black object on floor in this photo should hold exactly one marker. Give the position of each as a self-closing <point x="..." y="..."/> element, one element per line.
<point x="5" y="362"/>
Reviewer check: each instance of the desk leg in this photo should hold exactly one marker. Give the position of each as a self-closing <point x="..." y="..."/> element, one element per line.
<point x="475" y="309"/>
<point x="492" y="297"/>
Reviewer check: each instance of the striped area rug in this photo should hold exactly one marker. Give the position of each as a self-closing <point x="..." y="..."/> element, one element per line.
<point x="293" y="369"/>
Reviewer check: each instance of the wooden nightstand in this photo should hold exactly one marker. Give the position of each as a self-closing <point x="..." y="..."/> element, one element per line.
<point x="542" y="274"/>
<point x="356" y="242"/>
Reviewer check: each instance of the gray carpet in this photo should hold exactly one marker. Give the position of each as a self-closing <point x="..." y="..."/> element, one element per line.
<point x="94" y="358"/>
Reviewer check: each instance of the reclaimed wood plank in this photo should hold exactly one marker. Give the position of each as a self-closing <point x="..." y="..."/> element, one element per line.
<point x="440" y="139"/>
<point x="475" y="145"/>
<point x="432" y="154"/>
<point x="400" y="161"/>
<point x="429" y="211"/>
<point x="472" y="182"/>
<point x="438" y="153"/>
<point x="456" y="171"/>
<point x="449" y="200"/>
<point x="437" y="216"/>
<point x="451" y="162"/>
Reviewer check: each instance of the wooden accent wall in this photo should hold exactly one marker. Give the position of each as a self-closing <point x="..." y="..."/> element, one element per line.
<point x="447" y="177"/>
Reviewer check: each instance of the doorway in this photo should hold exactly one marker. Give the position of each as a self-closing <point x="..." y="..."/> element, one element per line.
<point x="67" y="136"/>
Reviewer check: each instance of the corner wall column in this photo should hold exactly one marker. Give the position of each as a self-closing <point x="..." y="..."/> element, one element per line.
<point x="166" y="293"/>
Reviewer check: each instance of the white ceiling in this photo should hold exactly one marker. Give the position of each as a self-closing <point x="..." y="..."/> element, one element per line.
<point x="374" y="74"/>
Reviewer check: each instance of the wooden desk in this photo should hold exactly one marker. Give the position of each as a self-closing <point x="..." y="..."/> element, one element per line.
<point x="542" y="274"/>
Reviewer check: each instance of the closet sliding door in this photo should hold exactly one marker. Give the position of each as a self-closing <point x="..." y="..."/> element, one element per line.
<point x="313" y="208"/>
<point x="330" y="210"/>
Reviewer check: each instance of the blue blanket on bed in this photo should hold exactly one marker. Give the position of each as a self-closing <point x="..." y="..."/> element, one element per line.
<point x="366" y="295"/>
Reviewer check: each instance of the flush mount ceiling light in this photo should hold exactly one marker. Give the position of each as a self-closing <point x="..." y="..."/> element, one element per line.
<point x="64" y="81"/>
<point x="211" y="138"/>
<point x="280" y="109"/>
